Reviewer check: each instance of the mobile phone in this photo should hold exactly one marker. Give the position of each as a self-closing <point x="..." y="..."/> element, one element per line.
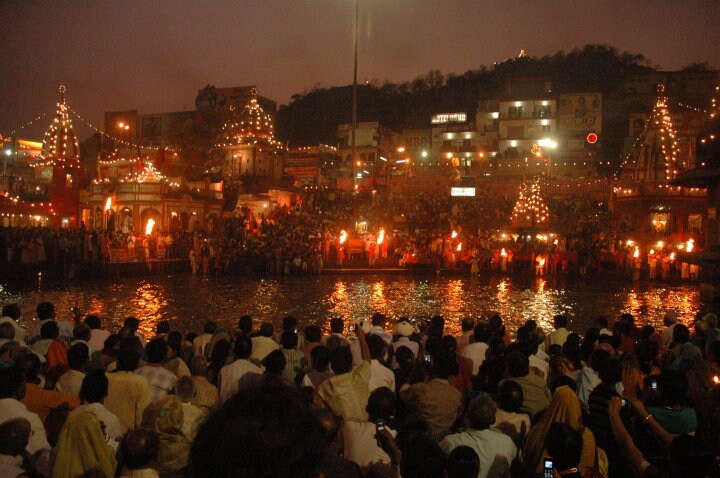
<point x="653" y="385"/>
<point x="296" y="330"/>
<point x="548" y="468"/>
<point x="379" y="427"/>
<point x="428" y="358"/>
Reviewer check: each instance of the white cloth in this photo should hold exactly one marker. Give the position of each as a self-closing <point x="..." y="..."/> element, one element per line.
<point x="476" y="352"/>
<point x="161" y="380"/>
<point x="70" y="382"/>
<point x="113" y="428"/>
<point x="11" y="408"/>
<point x="515" y="419"/>
<point x="495" y="450"/>
<point x="20" y="332"/>
<point x="377" y="330"/>
<point x="262" y="346"/>
<point x="231" y="374"/>
<point x="380" y="376"/>
<point x="98" y="338"/>
<point x="192" y="419"/>
<point x="586" y="383"/>
<point x="667" y="336"/>
<point x="10" y="466"/>
<point x="360" y="444"/>
<point x="200" y="343"/>
<point x="541" y="365"/>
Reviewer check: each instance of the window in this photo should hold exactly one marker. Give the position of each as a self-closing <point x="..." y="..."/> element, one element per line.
<point x="515" y="112"/>
<point x="543" y="111"/>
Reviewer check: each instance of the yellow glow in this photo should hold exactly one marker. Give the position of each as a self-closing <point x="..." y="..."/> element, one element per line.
<point x="454" y="235"/>
<point x="149" y="226"/>
<point x="636" y="254"/>
<point x="108" y="203"/>
<point x="401" y="149"/>
<point x="459" y="247"/>
<point x="343" y="236"/>
<point x="660" y="244"/>
<point x="630" y="243"/>
<point x="381" y="236"/>
<point x="672" y="256"/>
<point x="690" y="245"/>
<point x="503" y="252"/>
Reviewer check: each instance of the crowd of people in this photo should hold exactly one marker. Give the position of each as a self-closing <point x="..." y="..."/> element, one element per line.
<point x="358" y="397"/>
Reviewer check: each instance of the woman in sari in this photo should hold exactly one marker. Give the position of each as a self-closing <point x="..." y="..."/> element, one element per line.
<point x="82" y="446"/>
<point x="166" y="418"/>
<point x="564" y="408"/>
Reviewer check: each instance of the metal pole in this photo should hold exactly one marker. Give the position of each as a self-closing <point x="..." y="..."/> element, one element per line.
<point x="354" y="93"/>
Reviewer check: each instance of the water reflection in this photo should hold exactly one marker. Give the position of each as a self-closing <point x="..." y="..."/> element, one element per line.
<point x="189" y="301"/>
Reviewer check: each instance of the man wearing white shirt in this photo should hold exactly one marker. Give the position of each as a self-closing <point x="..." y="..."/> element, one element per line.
<point x="404" y="329"/>
<point x="380" y="375"/>
<point x="359" y="436"/>
<point x="12" y="390"/>
<point x="71" y="381"/>
<point x="337" y="329"/>
<point x="231" y="374"/>
<point x="161" y="380"/>
<point x="11" y="313"/>
<point x="495" y="450"/>
<point x="263" y="344"/>
<point x="98" y="336"/>
<point x="46" y="313"/>
<point x="378" y="327"/>
<point x="478" y="349"/>
<point x="93" y="391"/>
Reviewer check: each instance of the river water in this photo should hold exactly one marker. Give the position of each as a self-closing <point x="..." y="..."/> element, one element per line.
<point x="188" y="301"/>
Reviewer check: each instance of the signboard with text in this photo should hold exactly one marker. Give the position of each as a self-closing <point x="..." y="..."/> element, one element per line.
<point x="580" y="113"/>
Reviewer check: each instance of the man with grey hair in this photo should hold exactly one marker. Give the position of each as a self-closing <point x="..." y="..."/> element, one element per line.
<point x="496" y="450"/>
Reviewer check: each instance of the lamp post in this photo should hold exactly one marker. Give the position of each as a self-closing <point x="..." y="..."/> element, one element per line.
<point x="354" y="90"/>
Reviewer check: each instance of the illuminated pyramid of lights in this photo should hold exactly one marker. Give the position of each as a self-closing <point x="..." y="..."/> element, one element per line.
<point x="530" y="209"/>
<point x="249" y="125"/>
<point x="60" y="144"/>
<point x="654" y="156"/>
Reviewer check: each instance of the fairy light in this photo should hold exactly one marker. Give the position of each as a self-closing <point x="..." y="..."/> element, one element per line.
<point x="60" y="145"/>
<point x="250" y="126"/>
<point x="530" y="207"/>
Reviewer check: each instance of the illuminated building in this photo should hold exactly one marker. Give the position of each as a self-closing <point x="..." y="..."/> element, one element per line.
<point x="645" y="203"/>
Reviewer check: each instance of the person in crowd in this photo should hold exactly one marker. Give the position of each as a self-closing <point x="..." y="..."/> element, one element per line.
<point x="435" y="401"/>
<point x="220" y="356"/>
<point x="82" y="447"/>
<point x="320" y="369"/>
<point x="37" y="399"/>
<point x="669" y="321"/>
<point x="359" y="440"/>
<point x="12" y="391"/>
<point x="337" y="329"/>
<point x="128" y="393"/>
<point x="463" y="379"/>
<point x="201" y="342"/>
<point x="206" y="394"/>
<point x="496" y="450"/>
<point x="231" y="374"/>
<point x="333" y="464"/>
<point x="564" y="444"/>
<point x="380" y="375"/>
<point x="682" y="348"/>
<point x="263" y="343"/>
<point x="294" y="359"/>
<point x="162" y="329"/>
<point x="250" y="433"/>
<point x="477" y="351"/>
<point x="492" y="370"/>
<point x="509" y="401"/>
<point x="45" y="312"/>
<point x="193" y="416"/>
<point x="466" y="336"/>
<point x="245" y="325"/>
<point x="12" y="314"/>
<point x="93" y="391"/>
<point x="132" y="324"/>
<point x="378" y="321"/>
<point x="161" y="380"/>
<point x="404" y="330"/>
<point x="560" y="334"/>
<point x="347" y="392"/>
<point x="564" y="408"/>
<point x="165" y="417"/>
<point x="174" y="361"/>
<point x="15" y="435"/>
<point x="313" y="338"/>
<point x="536" y="395"/>
<point x="71" y="381"/>
<point x="7" y="333"/>
<point x="139" y="449"/>
<point x="463" y="462"/>
<point x="589" y="376"/>
<point x="670" y="411"/>
<point x="98" y="336"/>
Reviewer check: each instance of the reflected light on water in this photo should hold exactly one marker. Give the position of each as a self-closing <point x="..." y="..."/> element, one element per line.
<point x="189" y="301"/>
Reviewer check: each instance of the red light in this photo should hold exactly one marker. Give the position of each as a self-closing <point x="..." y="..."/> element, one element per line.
<point x="592" y="138"/>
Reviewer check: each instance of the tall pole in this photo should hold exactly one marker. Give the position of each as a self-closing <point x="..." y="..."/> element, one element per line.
<point x="354" y="94"/>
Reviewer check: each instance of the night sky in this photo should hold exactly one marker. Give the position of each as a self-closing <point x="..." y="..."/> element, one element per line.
<point x="153" y="55"/>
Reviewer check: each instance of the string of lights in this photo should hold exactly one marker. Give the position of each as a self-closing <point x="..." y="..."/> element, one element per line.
<point x="530" y="208"/>
<point x="29" y="123"/>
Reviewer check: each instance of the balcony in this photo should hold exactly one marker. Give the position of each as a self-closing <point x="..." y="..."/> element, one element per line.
<point x="529" y="115"/>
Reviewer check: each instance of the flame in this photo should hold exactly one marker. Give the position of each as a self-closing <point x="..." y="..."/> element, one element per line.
<point x="652" y="251"/>
<point x="636" y="254"/>
<point x="690" y="245"/>
<point x="453" y="235"/>
<point x="343" y="236"/>
<point x="459" y="247"/>
<point x="716" y="379"/>
<point x="503" y="253"/>
<point x="630" y="242"/>
<point x="541" y="261"/>
<point x="149" y="226"/>
<point x="108" y="203"/>
<point x="555" y="242"/>
<point x="381" y="236"/>
<point x="672" y="256"/>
